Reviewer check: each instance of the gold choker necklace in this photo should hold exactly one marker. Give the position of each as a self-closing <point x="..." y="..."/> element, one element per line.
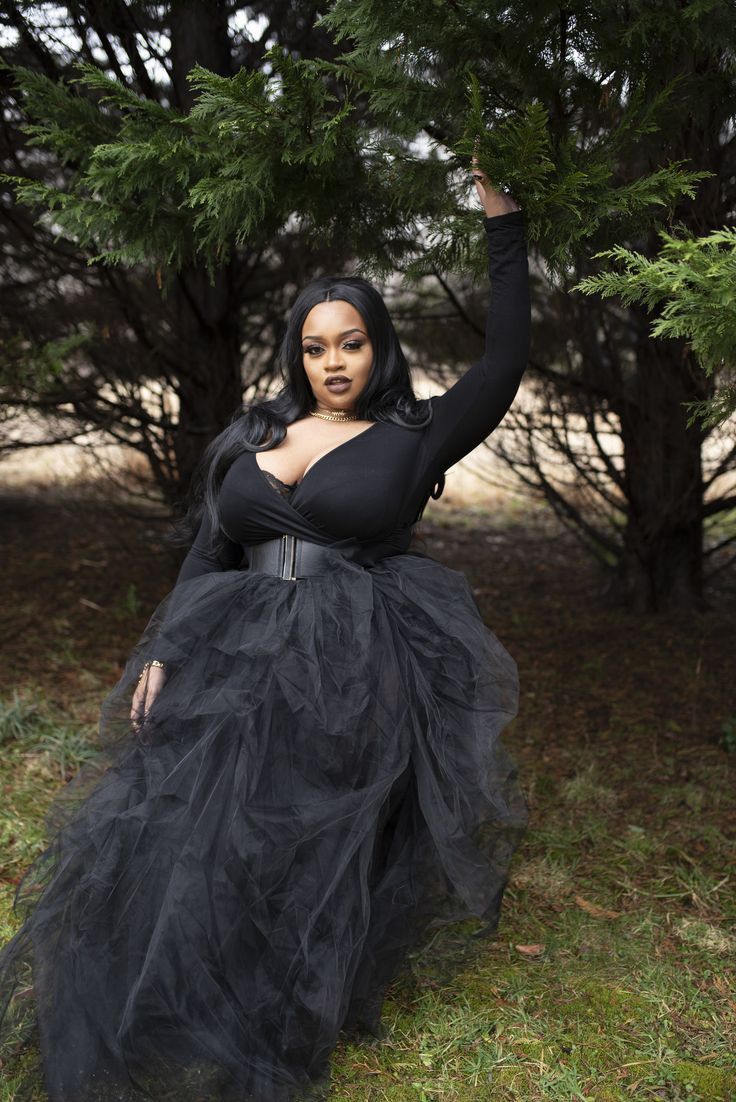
<point x="338" y="415"/>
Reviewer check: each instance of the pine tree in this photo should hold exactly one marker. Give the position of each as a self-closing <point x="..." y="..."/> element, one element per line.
<point x="606" y="122"/>
<point x="609" y="122"/>
<point x="154" y="358"/>
<point x="334" y="144"/>
<point x="693" y="279"/>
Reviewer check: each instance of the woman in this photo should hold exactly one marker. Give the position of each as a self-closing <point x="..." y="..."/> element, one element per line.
<point x="304" y="771"/>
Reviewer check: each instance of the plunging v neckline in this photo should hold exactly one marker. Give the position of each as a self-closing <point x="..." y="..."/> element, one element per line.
<point x="295" y="485"/>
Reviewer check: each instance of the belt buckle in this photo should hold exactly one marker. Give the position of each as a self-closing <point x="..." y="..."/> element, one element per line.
<point x="288" y="557"/>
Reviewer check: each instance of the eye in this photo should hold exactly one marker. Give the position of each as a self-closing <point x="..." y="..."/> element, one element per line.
<point x="316" y="349"/>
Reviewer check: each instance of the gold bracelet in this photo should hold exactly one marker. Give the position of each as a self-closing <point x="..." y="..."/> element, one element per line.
<point x="147" y="666"/>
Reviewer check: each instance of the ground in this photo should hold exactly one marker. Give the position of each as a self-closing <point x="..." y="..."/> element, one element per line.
<point x="613" y="972"/>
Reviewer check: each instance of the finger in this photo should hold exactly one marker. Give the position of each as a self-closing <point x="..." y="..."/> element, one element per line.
<point x="139" y="718"/>
<point x="477" y="172"/>
<point x="138" y="703"/>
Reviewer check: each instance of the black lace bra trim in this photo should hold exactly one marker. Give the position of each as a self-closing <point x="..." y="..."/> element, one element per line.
<point x="283" y="488"/>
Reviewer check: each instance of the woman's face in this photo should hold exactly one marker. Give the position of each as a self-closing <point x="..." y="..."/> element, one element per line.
<point x="336" y="345"/>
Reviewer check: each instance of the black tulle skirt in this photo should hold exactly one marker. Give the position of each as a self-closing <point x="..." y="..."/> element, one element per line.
<point x="232" y="884"/>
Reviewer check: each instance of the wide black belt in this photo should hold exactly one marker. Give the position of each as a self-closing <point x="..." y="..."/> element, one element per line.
<point x="290" y="557"/>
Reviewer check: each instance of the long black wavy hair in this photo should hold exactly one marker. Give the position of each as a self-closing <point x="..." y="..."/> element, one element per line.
<point x="260" y="426"/>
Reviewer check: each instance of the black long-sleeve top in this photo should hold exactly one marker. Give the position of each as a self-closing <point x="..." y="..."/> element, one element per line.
<point x="364" y="495"/>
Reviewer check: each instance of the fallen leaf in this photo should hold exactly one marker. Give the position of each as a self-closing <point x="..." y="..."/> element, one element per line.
<point x="90" y="604"/>
<point x="530" y="950"/>
<point x="594" y="910"/>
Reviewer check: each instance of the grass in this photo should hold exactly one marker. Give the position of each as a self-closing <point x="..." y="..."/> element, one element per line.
<point x="39" y="753"/>
<point x="612" y="976"/>
<point x="613" y="973"/>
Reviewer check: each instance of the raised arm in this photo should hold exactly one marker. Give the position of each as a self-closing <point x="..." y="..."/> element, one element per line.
<point x="472" y="408"/>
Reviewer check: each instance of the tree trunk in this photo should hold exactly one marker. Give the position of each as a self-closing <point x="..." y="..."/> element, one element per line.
<point x="209" y="369"/>
<point x="207" y="336"/>
<point x="663" y="539"/>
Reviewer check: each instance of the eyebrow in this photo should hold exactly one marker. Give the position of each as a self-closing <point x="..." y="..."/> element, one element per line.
<point x="347" y="331"/>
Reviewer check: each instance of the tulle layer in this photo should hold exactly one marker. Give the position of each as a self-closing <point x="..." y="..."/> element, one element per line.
<point x="319" y="780"/>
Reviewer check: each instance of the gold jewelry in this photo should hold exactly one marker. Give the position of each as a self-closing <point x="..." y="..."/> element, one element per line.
<point x="337" y="415"/>
<point x="151" y="662"/>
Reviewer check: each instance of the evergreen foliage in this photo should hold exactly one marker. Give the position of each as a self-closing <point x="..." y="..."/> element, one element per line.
<point x="83" y="260"/>
<point x="693" y="279"/>
<point x="348" y="148"/>
<point x="609" y="122"/>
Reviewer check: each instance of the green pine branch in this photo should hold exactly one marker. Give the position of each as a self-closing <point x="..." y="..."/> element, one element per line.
<point x="374" y="148"/>
<point x="691" y="285"/>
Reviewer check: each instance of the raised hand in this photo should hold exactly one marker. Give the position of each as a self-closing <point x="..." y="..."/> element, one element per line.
<point x="494" y="202"/>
